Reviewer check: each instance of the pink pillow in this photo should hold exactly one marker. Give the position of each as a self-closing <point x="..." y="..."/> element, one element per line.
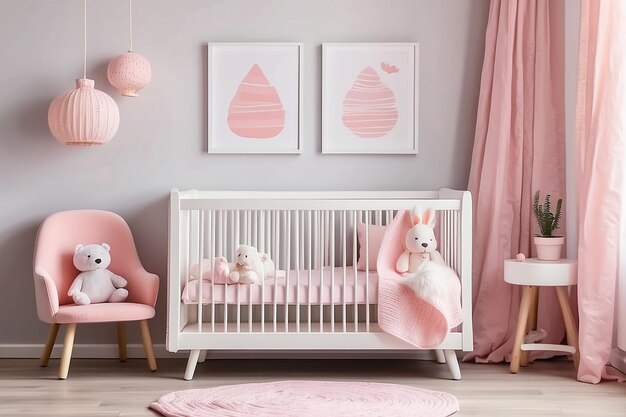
<point x="375" y="238"/>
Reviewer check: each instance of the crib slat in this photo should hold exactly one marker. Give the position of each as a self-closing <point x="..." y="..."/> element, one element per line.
<point x="238" y="315"/>
<point x="249" y="228"/>
<point x="212" y="243"/>
<point x="255" y="225"/>
<point x="266" y="235"/>
<point x="311" y="243"/>
<point x="356" y="278"/>
<point x="255" y="240"/>
<point x="288" y="268"/>
<point x="200" y="262"/>
<point x="237" y="230"/>
<point x="367" y="271"/>
<point x="344" y="241"/>
<point x="321" y="215"/>
<point x="299" y="264"/>
<point x="332" y="271"/>
<point x="276" y="262"/>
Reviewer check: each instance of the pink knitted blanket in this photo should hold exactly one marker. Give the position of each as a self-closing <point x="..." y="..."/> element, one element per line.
<point x="422" y="322"/>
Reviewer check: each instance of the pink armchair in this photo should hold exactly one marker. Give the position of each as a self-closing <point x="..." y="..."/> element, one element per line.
<point x="54" y="272"/>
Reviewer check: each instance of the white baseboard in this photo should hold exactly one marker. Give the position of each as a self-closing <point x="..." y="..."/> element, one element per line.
<point x="109" y="351"/>
<point x="99" y="351"/>
<point x="618" y="360"/>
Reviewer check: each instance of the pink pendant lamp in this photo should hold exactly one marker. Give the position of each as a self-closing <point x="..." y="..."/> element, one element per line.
<point x="129" y="72"/>
<point x="84" y="116"/>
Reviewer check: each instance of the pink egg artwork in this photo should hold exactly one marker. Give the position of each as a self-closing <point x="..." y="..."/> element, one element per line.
<point x="256" y="111"/>
<point x="369" y="108"/>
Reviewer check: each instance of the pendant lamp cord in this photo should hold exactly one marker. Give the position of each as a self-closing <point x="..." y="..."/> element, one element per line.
<point x="130" y="25"/>
<point x="85" y="39"/>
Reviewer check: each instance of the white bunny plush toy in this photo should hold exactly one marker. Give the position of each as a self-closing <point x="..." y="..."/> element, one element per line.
<point x="421" y="264"/>
<point x="420" y="242"/>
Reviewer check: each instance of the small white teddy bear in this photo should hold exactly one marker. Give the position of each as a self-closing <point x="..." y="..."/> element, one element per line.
<point x="95" y="283"/>
<point x="250" y="266"/>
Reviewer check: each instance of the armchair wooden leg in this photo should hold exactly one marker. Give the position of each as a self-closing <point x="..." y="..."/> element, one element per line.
<point x="47" y="350"/>
<point x="66" y="355"/>
<point x="147" y="344"/>
<point x="121" y="341"/>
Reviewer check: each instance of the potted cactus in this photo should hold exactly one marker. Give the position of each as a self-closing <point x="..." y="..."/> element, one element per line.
<point x="548" y="245"/>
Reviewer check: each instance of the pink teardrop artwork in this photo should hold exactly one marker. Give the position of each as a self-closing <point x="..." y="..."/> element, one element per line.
<point x="256" y="111"/>
<point x="369" y="108"/>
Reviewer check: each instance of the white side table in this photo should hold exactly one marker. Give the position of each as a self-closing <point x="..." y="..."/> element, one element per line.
<point x="531" y="274"/>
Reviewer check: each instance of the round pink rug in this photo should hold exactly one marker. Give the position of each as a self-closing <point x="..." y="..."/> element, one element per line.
<point x="308" y="398"/>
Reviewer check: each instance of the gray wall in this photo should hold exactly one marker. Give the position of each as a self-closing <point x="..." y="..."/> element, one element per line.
<point x="161" y="142"/>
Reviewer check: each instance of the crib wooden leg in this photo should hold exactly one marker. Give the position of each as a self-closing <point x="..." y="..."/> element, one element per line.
<point x="191" y="364"/>
<point x="202" y="356"/>
<point x="453" y="363"/>
<point x="439" y="356"/>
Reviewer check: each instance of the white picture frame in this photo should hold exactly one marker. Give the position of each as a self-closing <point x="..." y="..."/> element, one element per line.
<point x="370" y="98"/>
<point x="254" y="97"/>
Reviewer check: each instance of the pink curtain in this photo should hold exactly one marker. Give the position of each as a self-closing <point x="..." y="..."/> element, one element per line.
<point x="519" y="149"/>
<point x="601" y="136"/>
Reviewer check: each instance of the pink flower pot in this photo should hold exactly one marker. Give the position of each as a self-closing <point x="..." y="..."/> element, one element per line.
<point x="549" y="248"/>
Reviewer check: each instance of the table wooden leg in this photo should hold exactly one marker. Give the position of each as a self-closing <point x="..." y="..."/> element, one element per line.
<point x="531" y="324"/>
<point x="570" y="323"/>
<point x="522" y="320"/>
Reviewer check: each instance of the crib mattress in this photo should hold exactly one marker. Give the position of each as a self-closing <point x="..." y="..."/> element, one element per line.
<point x="289" y="290"/>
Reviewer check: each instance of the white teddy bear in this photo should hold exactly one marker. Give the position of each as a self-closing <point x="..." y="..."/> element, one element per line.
<point x="95" y="283"/>
<point x="250" y="266"/>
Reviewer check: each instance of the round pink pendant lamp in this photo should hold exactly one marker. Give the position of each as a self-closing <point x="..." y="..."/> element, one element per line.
<point x="129" y="72"/>
<point x="84" y="116"/>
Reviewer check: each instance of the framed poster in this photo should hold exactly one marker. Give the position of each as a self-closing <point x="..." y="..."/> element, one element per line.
<point x="370" y="98"/>
<point x="254" y="97"/>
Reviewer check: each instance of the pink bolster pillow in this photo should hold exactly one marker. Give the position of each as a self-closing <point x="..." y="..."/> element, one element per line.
<point x="375" y="236"/>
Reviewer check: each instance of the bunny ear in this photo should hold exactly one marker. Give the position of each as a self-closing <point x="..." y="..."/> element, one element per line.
<point x="416" y="215"/>
<point x="429" y="217"/>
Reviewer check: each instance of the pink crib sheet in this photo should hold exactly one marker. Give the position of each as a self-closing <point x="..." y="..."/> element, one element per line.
<point x="329" y="293"/>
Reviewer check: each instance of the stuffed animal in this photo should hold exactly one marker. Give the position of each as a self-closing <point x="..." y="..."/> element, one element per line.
<point x="250" y="266"/>
<point x="95" y="283"/>
<point x="218" y="274"/>
<point x="420" y="242"/>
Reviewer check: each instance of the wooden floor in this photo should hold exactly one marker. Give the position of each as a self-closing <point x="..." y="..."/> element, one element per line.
<point x="110" y="388"/>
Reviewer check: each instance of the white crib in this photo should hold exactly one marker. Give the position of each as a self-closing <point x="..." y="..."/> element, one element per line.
<point x="322" y="302"/>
